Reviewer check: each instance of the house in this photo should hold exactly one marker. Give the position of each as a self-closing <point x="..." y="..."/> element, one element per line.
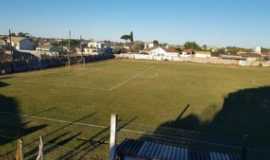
<point x="149" y="45"/>
<point x="22" y="43"/>
<point x="187" y="53"/>
<point x="258" y="50"/>
<point x="202" y="54"/>
<point x="2" y="43"/>
<point x="89" y="51"/>
<point x="102" y="47"/>
<point x="98" y="45"/>
<point x="44" y="47"/>
<point x="162" y="52"/>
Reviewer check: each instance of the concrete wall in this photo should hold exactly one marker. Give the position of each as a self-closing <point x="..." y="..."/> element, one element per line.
<point x="211" y="60"/>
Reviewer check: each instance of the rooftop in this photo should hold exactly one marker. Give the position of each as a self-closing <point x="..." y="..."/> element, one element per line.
<point x="150" y="150"/>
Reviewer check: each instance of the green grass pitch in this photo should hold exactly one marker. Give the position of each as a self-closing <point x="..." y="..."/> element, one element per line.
<point x="227" y="100"/>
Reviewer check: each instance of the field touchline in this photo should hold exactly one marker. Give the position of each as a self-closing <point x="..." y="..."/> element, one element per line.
<point x="130" y="79"/>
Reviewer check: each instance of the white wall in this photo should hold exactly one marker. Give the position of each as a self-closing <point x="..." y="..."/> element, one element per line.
<point x="97" y="45"/>
<point x="202" y="55"/>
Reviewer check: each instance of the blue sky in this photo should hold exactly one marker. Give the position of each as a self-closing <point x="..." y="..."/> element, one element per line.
<point x="214" y="22"/>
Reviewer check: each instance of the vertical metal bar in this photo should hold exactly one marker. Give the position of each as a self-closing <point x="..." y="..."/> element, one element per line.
<point x="113" y="137"/>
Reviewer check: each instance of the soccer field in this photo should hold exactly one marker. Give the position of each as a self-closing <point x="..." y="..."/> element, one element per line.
<point x="225" y="100"/>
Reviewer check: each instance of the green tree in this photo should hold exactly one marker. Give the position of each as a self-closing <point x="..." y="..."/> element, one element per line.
<point x="23" y="34"/>
<point x="265" y="50"/>
<point x="156" y="43"/>
<point x="13" y="34"/>
<point x="204" y="47"/>
<point x="131" y="37"/>
<point x="126" y="37"/>
<point x="192" y="45"/>
<point x="218" y="52"/>
<point x="73" y="43"/>
<point x="137" y="46"/>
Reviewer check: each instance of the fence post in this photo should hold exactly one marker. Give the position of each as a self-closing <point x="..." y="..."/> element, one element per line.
<point x="40" y="149"/>
<point x="113" y="136"/>
<point x="19" y="150"/>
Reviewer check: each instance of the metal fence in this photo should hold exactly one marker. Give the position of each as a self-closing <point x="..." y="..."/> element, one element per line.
<point x="29" y="63"/>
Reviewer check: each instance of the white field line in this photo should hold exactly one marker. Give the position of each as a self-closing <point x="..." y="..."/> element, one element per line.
<point x="65" y="85"/>
<point x="123" y="130"/>
<point x="130" y="79"/>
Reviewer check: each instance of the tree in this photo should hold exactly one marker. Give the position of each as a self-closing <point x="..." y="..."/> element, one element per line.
<point x="137" y="46"/>
<point x="265" y="50"/>
<point x="13" y="34"/>
<point x="218" y="52"/>
<point x="22" y="34"/>
<point x="204" y="47"/>
<point x="125" y="37"/>
<point x="192" y="45"/>
<point x="235" y="50"/>
<point x="73" y="43"/>
<point x="131" y="37"/>
<point x="156" y="43"/>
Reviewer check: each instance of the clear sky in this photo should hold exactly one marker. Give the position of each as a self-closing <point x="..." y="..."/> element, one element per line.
<point x="214" y="22"/>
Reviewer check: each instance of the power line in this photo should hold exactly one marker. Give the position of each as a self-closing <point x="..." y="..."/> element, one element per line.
<point x="81" y="48"/>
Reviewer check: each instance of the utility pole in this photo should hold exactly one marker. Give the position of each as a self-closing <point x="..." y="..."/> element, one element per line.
<point x="81" y="48"/>
<point x="10" y="42"/>
<point x="11" y="49"/>
<point x="69" y="47"/>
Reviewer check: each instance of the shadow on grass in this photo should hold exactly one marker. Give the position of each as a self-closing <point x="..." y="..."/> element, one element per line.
<point x="244" y="112"/>
<point x="4" y="84"/>
<point x="82" y="150"/>
<point x="53" y="144"/>
<point x="12" y="126"/>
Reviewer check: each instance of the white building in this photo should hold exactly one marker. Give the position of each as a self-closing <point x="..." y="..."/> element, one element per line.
<point x="163" y="54"/>
<point x="149" y="45"/>
<point x="90" y="51"/>
<point x="202" y="54"/>
<point x="44" y="47"/>
<point x="258" y="50"/>
<point x="97" y="45"/>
